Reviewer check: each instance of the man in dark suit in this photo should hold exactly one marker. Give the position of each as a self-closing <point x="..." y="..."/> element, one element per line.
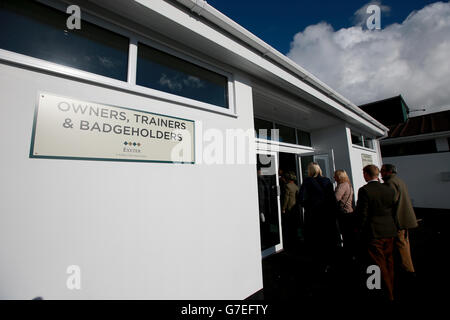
<point x="376" y="212"/>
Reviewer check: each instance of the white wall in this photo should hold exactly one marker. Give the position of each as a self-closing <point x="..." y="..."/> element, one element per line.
<point x="422" y="175"/>
<point x="356" y="153"/>
<point x="334" y="138"/>
<point x="137" y="230"/>
<point x="346" y="155"/>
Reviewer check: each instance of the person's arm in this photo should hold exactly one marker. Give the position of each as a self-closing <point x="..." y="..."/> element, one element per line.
<point x="286" y="198"/>
<point x="362" y="207"/>
<point x="339" y="192"/>
<point x="396" y="188"/>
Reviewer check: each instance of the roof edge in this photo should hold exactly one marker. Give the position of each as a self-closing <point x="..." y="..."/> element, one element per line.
<point x="202" y="8"/>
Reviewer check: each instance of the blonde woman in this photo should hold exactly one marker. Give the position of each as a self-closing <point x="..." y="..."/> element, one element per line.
<point x="344" y="191"/>
<point x="346" y="218"/>
<point x="316" y="196"/>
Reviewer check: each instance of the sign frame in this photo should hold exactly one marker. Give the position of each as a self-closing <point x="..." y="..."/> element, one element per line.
<point x="35" y="118"/>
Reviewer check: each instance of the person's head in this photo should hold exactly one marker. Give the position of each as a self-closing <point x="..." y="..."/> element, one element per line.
<point x="387" y="169"/>
<point x="340" y="176"/>
<point x="371" y="172"/>
<point x="282" y="176"/>
<point x="314" y="169"/>
<point x="290" y="176"/>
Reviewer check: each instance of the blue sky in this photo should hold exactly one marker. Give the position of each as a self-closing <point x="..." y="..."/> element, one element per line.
<point x="276" y="22"/>
<point x="408" y="56"/>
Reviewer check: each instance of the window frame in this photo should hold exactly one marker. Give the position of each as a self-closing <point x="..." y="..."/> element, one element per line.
<point x="130" y="85"/>
<point x="363" y="139"/>
<point x="177" y="54"/>
<point x="53" y="67"/>
<point x="275" y="123"/>
<point x="285" y="144"/>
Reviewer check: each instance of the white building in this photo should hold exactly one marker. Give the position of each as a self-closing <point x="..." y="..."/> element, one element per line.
<point x="93" y="205"/>
<point x="419" y="146"/>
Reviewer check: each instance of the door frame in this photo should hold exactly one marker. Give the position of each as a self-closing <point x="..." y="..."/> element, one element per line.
<point x="331" y="166"/>
<point x="330" y="160"/>
<point x="278" y="247"/>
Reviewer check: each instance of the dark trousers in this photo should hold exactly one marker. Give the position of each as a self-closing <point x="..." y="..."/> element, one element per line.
<point x="349" y="230"/>
<point x="290" y="222"/>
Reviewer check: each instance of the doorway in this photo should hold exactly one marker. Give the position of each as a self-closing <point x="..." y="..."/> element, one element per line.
<point x="269" y="203"/>
<point x="324" y="159"/>
<point x="279" y="230"/>
<point x="289" y="173"/>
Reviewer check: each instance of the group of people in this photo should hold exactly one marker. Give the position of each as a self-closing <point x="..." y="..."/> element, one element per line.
<point x="373" y="231"/>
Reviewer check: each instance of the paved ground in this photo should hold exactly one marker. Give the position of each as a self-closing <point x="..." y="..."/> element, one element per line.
<point x="290" y="276"/>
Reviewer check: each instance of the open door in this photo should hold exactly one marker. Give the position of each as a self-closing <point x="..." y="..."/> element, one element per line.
<point x="324" y="159"/>
<point x="326" y="162"/>
<point x="269" y="203"/>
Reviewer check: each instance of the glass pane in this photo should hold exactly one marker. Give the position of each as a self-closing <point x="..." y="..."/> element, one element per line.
<point x="161" y="71"/>
<point x="39" y="31"/>
<point x="357" y="139"/>
<point x="322" y="161"/>
<point x="368" y="143"/>
<point x="268" y="201"/>
<point x="305" y="161"/>
<point x="304" y="138"/>
<point x="286" y="134"/>
<point x="263" y="128"/>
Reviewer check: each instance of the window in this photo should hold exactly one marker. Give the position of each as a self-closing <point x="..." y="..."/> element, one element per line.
<point x="368" y="143"/>
<point x="357" y="139"/>
<point x="305" y="161"/>
<point x="304" y="138"/>
<point x="260" y="126"/>
<point x="409" y="148"/>
<point x="161" y="71"/>
<point x="39" y="31"/>
<point x="362" y="141"/>
<point x="286" y="134"/>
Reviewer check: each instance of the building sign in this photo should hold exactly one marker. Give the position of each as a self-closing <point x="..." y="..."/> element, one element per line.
<point x="74" y="129"/>
<point x="366" y="159"/>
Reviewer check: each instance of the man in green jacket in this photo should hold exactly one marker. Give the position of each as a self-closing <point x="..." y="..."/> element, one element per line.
<point x="375" y="209"/>
<point x="405" y="216"/>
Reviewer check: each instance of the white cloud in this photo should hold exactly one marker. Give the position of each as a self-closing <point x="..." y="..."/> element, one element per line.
<point x="177" y="83"/>
<point x="172" y="84"/>
<point x="193" y="82"/>
<point x="411" y="58"/>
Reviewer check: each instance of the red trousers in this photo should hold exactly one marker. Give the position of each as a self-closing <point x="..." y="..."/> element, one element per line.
<point x="381" y="254"/>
